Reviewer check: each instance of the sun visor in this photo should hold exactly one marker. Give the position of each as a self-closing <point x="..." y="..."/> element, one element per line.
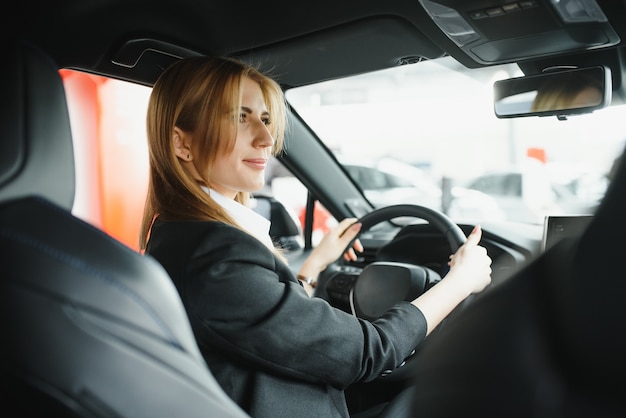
<point x="391" y="41"/>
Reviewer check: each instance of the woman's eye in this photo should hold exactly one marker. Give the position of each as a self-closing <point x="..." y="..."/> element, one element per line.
<point x="267" y="121"/>
<point x="242" y="117"/>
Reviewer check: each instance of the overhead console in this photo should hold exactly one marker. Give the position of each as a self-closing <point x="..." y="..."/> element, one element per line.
<point x="494" y="32"/>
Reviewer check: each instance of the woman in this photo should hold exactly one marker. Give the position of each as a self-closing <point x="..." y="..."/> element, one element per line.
<point x="212" y="125"/>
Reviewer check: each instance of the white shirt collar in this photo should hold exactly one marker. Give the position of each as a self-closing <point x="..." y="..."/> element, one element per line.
<point x="251" y="221"/>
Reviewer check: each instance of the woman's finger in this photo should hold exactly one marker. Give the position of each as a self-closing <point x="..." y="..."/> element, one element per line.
<point x="474" y="236"/>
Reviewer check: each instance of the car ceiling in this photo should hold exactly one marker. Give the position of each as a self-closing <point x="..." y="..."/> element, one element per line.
<point x="302" y="43"/>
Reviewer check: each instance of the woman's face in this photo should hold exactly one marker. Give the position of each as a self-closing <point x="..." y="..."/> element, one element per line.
<point x="590" y="96"/>
<point x="243" y="168"/>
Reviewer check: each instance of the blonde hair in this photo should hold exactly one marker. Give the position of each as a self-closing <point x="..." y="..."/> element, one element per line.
<point x="562" y="94"/>
<point x="195" y="94"/>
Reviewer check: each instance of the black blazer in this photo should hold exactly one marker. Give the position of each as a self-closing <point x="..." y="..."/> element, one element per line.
<point x="276" y="351"/>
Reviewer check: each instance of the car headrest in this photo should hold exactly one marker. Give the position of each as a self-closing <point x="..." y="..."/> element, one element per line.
<point x="36" y="154"/>
<point x="595" y="299"/>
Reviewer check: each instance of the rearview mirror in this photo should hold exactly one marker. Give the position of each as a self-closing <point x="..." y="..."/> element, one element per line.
<point x="560" y="93"/>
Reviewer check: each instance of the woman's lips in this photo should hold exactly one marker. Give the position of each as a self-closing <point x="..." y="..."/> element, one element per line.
<point x="258" y="163"/>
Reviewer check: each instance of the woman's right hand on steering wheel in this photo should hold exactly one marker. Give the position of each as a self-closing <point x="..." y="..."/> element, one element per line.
<point x="331" y="247"/>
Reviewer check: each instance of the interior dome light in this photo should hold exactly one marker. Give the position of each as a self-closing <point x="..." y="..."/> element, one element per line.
<point x="579" y="11"/>
<point x="450" y="22"/>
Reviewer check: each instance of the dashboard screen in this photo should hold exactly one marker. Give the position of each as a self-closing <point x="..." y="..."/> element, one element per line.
<point x="556" y="228"/>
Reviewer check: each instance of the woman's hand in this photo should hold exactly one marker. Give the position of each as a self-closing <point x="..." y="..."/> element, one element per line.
<point x="472" y="262"/>
<point x="331" y="246"/>
<point x="470" y="272"/>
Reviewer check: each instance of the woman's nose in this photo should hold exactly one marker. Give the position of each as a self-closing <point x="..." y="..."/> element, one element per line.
<point x="263" y="136"/>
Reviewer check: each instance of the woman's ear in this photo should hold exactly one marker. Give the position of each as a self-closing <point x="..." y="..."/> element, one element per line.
<point x="182" y="144"/>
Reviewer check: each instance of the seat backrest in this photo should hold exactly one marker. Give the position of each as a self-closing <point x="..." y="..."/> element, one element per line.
<point x="548" y="342"/>
<point x="284" y="230"/>
<point x="90" y="327"/>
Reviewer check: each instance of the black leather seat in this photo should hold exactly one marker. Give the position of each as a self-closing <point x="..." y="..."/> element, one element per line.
<point x="284" y="230"/>
<point x="549" y="342"/>
<point x="90" y="327"/>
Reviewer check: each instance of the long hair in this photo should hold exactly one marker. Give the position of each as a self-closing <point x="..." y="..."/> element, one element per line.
<point x="560" y="94"/>
<point x="196" y="94"/>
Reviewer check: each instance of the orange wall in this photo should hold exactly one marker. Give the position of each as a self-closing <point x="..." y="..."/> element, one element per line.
<point x="108" y="126"/>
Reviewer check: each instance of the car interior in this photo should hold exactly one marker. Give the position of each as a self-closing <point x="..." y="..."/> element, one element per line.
<point x="94" y="328"/>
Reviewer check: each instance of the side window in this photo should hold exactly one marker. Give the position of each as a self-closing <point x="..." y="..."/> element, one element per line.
<point x="110" y="152"/>
<point x="282" y="185"/>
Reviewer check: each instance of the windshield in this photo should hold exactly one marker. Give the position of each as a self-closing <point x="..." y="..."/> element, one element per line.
<point x="427" y="134"/>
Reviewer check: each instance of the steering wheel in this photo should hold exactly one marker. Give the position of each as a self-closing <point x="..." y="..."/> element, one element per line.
<point x="381" y="284"/>
<point x="372" y="290"/>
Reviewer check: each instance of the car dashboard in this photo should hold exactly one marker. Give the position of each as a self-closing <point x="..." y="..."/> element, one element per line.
<point x="422" y="244"/>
